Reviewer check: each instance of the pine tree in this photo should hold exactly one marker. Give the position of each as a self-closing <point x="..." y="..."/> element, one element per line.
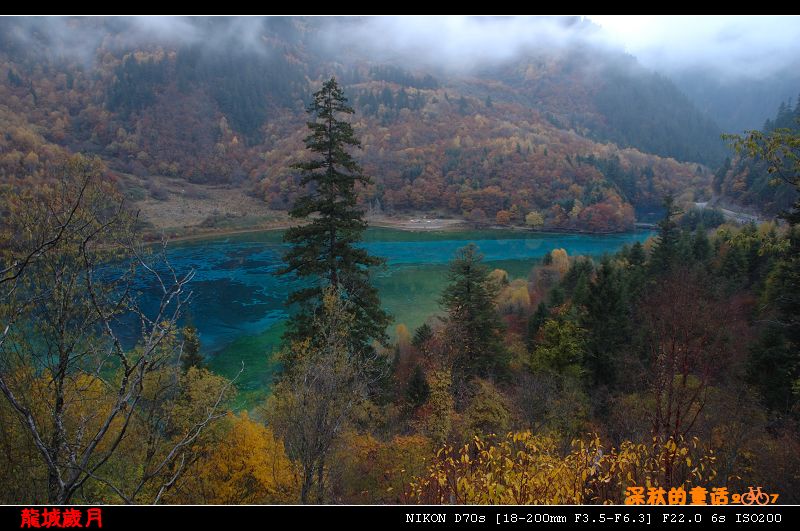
<point x="191" y="349"/>
<point x="774" y="365"/>
<point x="324" y="250"/>
<point x="422" y="335"/>
<point x="474" y="325"/>
<point x="535" y="322"/>
<point x="418" y="389"/>
<point x="666" y="250"/>
<point x="607" y="321"/>
<point x="701" y="247"/>
<point x="637" y="256"/>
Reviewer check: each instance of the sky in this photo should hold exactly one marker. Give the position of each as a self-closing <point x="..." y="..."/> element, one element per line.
<point x="731" y="45"/>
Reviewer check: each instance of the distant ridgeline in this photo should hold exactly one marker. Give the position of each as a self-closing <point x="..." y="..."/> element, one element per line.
<point x="748" y="183"/>
<point x="579" y="135"/>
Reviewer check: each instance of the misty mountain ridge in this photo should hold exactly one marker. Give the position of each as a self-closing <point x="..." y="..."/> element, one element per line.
<point x="557" y="124"/>
<point x="738" y="105"/>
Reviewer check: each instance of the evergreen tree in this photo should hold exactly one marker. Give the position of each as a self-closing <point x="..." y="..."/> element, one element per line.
<point x="324" y="250"/>
<point x="535" y="322"/>
<point x="561" y="350"/>
<point x="669" y="235"/>
<point x="734" y="266"/>
<point x="557" y="296"/>
<point x="422" y="335"/>
<point x="701" y="247"/>
<point x="607" y="321"/>
<point x="191" y="349"/>
<point x="576" y="280"/>
<point x="418" y="389"/>
<point x="637" y="256"/>
<point x="685" y="253"/>
<point x="474" y="325"/>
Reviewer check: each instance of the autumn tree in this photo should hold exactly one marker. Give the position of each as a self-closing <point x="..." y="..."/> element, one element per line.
<point x="324" y="250"/>
<point x="243" y="463"/>
<point x="503" y="217"/>
<point x="534" y="220"/>
<point x="438" y="412"/>
<point x="312" y="404"/>
<point x="525" y="469"/>
<point x="690" y="341"/>
<point x="177" y="415"/>
<point x="68" y="269"/>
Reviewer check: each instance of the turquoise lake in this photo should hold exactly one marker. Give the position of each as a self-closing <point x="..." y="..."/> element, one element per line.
<point x="238" y="302"/>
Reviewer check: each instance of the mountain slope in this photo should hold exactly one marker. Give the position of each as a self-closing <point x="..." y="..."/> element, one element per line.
<point x="748" y="183"/>
<point x="580" y="134"/>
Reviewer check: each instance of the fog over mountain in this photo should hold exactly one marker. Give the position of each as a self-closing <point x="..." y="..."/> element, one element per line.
<point x="472" y="115"/>
<point x="737" y="68"/>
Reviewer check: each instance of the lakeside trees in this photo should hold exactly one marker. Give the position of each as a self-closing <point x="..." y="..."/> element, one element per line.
<point x="73" y="395"/>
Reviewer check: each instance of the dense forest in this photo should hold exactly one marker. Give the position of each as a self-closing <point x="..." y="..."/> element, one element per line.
<point x="489" y="146"/>
<point x="670" y="366"/>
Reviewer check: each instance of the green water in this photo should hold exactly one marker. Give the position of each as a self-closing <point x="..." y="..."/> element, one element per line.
<point x="238" y="302"/>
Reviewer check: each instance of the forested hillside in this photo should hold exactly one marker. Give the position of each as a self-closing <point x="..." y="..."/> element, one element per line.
<point x="748" y="182"/>
<point x="581" y="135"/>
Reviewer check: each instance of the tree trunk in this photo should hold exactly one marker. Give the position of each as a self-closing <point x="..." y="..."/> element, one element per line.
<point x="308" y="482"/>
<point x="320" y="481"/>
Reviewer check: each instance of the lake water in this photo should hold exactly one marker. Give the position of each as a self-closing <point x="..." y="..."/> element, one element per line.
<point x="238" y="302"/>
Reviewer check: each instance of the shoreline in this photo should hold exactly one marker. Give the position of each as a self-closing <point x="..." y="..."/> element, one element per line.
<point x="403" y="224"/>
<point x="152" y="237"/>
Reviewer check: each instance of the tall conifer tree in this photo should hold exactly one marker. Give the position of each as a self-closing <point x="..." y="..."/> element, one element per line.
<point x="474" y="325"/>
<point x="666" y="250"/>
<point x="324" y="250"/>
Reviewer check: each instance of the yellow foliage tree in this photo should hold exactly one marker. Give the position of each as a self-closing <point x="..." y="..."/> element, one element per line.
<point x="499" y="277"/>
<point x="247" y="465"/>
<point x="437" y="414"/>
<point x="525" y="469"/>
<point x="403" y="338"/>
<point x="514" y="298"/>
<point x="560" y="260"/>
<point x="534" y="219"/>
<point x="368" y="471"/>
